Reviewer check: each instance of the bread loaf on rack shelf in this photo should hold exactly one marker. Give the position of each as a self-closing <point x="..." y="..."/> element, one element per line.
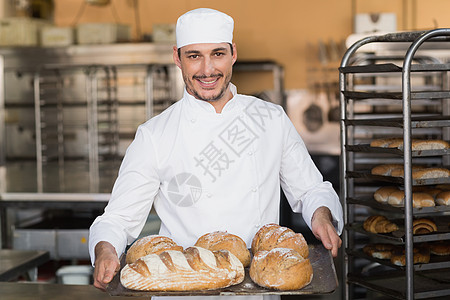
<point x="440" y="248"/>
<point x="416" y="144"/>
<point x="384" y="142"/>
<point x="379" y="250"/>
<point x="423" y="226"/>
<point x="193" y="269"/>
<point x="222" y="240"/>
<point x="281" y="269"/>
<point x="379" y="224"/>
<point x="420" y="256"/>
<point x="420" y="200"/>
<point x="382" y="194"/>
<point x="443" y="198"/>
<point x="152" y="244"/>
<point x="272" y="236"/>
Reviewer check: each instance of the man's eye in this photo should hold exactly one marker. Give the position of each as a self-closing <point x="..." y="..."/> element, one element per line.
<point x="219" y="53"/>
<point x="193" y="56"/>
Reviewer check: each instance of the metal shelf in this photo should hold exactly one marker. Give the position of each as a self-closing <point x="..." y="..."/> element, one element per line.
<point x="370" y="202"/>
<point x="416" y="95"/>
<point x="390" y="67"/>
<point x="415" y="153"/>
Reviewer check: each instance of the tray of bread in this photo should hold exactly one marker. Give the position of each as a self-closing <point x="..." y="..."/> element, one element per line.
<point x="279" y="262"/>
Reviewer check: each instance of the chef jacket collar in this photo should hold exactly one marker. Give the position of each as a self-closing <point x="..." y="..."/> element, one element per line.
<point x="204" y="107"/>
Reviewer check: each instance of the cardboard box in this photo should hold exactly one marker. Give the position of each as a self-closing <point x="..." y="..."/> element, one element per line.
<point x="102" y="33"/>
<point x="164" y="33"/>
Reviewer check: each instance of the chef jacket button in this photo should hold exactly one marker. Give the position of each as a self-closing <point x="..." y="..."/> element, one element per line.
<point x="193" y="120"/>
<point x="254" y="190"/>
<point x="250" y="153"/>
<point x="257" y="226"/>
<point x="209" y="195"/>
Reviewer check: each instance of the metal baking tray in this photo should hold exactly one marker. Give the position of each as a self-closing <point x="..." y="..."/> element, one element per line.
<point x="398" y="180"/>
<point x="324" y="281"/>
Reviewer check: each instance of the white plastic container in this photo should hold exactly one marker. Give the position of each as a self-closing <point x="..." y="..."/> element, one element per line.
<point x="57" y="36"/>
<point x="80" y="275"/>
<point x="102" y="33"/>
<point x="20" y="31"/>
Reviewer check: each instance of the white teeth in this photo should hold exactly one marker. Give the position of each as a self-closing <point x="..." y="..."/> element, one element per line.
<point x="206" y="82"/>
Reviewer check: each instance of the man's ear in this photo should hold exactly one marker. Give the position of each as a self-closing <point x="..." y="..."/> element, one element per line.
<point x="176" y="58"/>
<point x="234" y="53"/>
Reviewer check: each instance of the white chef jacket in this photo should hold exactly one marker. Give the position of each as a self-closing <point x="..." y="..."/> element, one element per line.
<point x="205" y="171"/>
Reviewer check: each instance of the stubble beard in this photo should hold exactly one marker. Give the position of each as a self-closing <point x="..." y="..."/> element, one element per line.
<point x="212" y="98"/>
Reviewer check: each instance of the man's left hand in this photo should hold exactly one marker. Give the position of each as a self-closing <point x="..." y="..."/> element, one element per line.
<point x="323" y="229"/>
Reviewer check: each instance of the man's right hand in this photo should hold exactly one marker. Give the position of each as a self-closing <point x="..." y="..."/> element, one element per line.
<point x="106" y="264"/>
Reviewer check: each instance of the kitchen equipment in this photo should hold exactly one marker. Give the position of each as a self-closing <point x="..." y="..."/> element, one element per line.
<point x="396" y="114"/>
<point x="20" y="31"/>
<point x="52" y="36"/>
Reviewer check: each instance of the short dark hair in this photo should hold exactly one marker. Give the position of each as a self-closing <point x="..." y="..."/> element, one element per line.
<point x="231" y="48"/>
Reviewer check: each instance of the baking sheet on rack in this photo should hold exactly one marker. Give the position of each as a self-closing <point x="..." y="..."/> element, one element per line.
<point x="324" y="281"/>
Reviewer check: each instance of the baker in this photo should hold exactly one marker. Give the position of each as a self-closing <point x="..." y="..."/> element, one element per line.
<point x="214" y="160"/>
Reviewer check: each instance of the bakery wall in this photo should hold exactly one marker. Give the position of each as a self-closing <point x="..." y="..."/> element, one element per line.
<point x="287" y="31"/>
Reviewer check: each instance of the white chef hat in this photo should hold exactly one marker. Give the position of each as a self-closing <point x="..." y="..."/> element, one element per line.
<point x="204" y="25"/>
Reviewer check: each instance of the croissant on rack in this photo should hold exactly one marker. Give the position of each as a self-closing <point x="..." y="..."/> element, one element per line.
<point x="379" y="224"/>
<point x="421" y="255"/>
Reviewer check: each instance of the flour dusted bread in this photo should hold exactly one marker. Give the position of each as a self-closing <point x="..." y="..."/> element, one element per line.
<point x="152" y="244"/>
<point x="281" y="269"/>
<point x="194" y="269"/>
<point x="222" y="240"/>
<point x="419" y="199"/>
<point x="272" y="236"/>
<point x="384" y="142"/>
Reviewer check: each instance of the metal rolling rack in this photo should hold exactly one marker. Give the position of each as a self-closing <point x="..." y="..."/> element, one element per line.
<point x="420" y="281"/>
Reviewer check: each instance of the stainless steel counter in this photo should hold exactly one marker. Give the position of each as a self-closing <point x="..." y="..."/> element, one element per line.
<point x="46" y="291"/>
<point x="17" y="262"/>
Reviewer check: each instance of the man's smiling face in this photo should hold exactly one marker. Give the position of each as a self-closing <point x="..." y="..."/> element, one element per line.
<point x="207" y="70"/>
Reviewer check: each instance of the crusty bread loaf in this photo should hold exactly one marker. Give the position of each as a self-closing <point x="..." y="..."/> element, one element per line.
<point x="385" y="169"/>
<point x="281" y="269"/>
<point x="382" y="194"/>
<point x="397" y="198"/>
<point x="152" y="244"/>
<point x="272" y="236"/>
<point x="423" y="226"/>
<point x="222" y="240"/>
<point x="384" y="142"/>
<point x="416" y="144"/>
<point x="379" y="224"/>
<point x="440" y="248"/>
<point x="194" y="269"/>
<point x="420" y="256"/>
<point x="443" y="198"/>
<point x="379" y="250"/>
<point x="422" y="200"/>
<point x="429" y="173"/>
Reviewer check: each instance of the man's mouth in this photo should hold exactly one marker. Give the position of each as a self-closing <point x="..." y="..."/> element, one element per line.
<point x="208" y="81"/>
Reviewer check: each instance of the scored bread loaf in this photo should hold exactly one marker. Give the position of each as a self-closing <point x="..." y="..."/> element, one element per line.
<point x="281" y="269"/>
<point x="272" y="236"/>
<point x="222" y="240"/>
<point x="194" y="269"/>
<point x="379" y="224"/>
<point x="382" y="194"/>
<point x="420" y="200"/>
<point x="152" y="244"/>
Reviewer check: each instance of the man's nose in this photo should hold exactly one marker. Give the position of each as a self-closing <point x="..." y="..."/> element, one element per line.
<point x="208" y="66"/>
